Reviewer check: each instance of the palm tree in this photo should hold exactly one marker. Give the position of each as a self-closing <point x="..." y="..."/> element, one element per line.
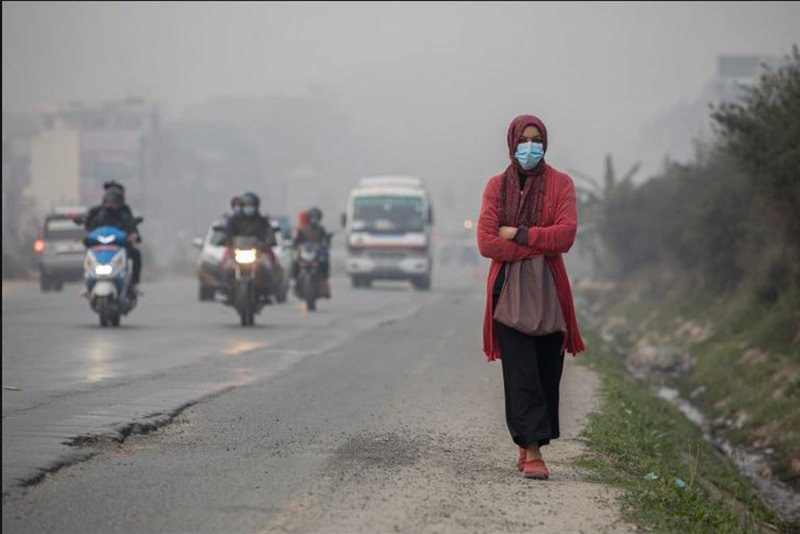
<point x="593" y="199"/>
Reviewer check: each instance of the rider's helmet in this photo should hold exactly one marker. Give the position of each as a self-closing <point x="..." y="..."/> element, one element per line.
<point x="113" y="184"/>
<point x="113" y="198"/>
<point x="314" y="216"/>
<point x="250" y="203"/>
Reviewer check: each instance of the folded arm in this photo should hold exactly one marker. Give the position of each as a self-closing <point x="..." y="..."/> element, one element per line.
<point x="490" y="244"/>
<point x="558" y="238"/>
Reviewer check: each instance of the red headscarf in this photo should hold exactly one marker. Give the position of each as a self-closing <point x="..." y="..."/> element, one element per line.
<point x="516" y="209"/>
<point x="515" y="130"/>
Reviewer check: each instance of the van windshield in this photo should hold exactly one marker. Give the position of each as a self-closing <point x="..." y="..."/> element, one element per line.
<point x="388" y="214"/>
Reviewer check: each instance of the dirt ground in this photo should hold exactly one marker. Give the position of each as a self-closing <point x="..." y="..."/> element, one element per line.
<point x="454" y="470"/>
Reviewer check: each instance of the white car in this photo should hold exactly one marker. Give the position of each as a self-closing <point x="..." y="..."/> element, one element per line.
<point x="283" y="253"/>
<point x="212" y="250"/>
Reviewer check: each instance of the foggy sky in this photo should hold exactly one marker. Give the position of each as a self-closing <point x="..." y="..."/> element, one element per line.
<point x="437" y="82"/>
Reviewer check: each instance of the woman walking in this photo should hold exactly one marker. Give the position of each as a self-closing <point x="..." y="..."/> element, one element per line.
<point x="528" y="220"/>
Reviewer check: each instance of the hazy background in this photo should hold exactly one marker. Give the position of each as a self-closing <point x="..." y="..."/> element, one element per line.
<point x="424" y="88"/>
<point x="689" y="269"/>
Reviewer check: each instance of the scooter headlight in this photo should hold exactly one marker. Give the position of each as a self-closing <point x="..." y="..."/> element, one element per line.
<point x="245" y="256"/>
<point x="103" y="270"/>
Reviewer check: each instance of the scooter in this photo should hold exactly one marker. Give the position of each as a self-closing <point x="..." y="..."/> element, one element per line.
<point x="108" y="275"/>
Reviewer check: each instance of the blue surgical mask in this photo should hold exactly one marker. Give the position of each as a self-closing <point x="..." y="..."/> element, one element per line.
<point x="249" y="210"/>
<point x="529" y="154"/>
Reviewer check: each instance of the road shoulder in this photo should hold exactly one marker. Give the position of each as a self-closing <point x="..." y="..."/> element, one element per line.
<point x="441" y="460"/>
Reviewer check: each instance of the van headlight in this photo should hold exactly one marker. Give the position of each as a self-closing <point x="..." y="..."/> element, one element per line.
<point x="245" y="256"/>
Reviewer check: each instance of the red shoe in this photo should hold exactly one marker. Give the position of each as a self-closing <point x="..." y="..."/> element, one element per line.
<point x="523" y="455"/>
<point x="535" y="469"/>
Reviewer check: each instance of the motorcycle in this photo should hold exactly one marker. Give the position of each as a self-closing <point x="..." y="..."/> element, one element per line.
<point x="246" y="295"/>
<point x="309" y="257"/>
<point x="108" y="274"/>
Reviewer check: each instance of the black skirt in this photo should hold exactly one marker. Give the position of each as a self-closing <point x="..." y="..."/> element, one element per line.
<point x="532" y="368"/>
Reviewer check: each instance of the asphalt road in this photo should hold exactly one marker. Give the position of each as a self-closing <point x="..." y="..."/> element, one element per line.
<point x="73" y="378"/>
<point x="378" y="413"/>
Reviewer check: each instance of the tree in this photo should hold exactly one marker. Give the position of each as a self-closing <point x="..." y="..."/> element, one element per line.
<point x="600" y="202"/>
<point x="762" y="132"/>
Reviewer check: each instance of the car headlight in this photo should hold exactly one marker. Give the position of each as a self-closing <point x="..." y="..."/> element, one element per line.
<point x="103" y="270"/>
<point x="245" y="256"/>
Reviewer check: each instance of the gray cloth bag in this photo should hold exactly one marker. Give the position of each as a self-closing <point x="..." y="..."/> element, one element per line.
<point x="528" y="301"/>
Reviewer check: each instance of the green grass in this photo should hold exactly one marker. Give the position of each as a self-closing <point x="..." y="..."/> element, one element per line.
<point x="769" y="326"/>
<point x="766" y="389"/>
<point x="764" y="393"/>
<point x="635" y="433"/>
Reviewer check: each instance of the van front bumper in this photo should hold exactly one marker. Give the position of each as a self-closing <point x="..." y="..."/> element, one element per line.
<point x="388" y="268"/>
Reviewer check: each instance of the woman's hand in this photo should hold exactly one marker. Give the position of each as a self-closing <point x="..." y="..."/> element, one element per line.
<point x="507" y="232"/>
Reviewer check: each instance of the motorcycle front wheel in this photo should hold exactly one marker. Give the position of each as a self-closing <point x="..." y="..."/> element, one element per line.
<point x="245" y="303"/>
<point x="307" y="291"/>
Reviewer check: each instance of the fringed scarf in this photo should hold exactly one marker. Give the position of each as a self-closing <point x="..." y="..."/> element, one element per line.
<point x="522" y="209"/>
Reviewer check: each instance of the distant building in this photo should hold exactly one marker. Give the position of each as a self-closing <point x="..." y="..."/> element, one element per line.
<point x="55" y="169"/>
<point x="736" y="73"/>
<point x="18" y="133"/>
<point x="677" y="131"/>
<point x="81" y="145"/>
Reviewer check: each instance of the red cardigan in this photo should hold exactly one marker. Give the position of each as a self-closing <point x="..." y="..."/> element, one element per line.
<point x="554" y="237"/>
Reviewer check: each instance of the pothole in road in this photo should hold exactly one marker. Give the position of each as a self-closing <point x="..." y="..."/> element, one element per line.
<point x="379" y="450"/>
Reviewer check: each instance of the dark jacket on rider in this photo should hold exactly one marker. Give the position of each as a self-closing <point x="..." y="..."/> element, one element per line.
<point x="118" y="218"/>
<point x="312" y="234"/>
<point x="125" y="215"/>
<point x="257" y="226"/>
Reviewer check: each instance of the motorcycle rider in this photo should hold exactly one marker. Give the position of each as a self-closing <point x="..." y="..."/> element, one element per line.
<point x="313" y="232"/>
<point x="133" y="252"/>
<point x="236" y="207"/>
<point x="113" y="184"/>
<point x="112" y="212"/>
<point x="247" y="221"/>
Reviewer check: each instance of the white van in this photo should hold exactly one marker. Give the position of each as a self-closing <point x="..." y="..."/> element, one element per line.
<point x="388" y="229"/>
